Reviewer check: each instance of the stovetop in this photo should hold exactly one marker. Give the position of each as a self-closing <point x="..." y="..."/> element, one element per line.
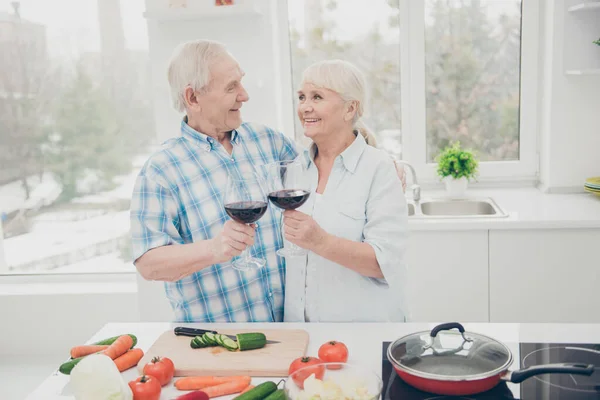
<point x="541" y="387"/>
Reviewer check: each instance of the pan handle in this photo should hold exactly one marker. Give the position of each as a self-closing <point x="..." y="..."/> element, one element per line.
<point x="565" y="368"/>
<point x="446" y="327"/>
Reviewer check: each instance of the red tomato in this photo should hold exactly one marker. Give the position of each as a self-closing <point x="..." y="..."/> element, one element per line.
<point x="145" y="388"/>
<point x="310" y="365"/>
<point x="161" y="368"/>
<point x="333" y="352"/>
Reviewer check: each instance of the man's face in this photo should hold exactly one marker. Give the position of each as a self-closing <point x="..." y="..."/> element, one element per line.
<point x="220" y="104"/>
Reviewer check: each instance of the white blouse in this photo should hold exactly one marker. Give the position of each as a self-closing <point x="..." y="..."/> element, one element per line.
<point x="364" y="202"/>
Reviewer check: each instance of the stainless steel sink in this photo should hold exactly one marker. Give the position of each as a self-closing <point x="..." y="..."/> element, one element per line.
<point x="431" y="208"/>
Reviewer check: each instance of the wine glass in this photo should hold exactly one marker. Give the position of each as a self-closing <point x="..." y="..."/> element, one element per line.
<point x="288" y="190"/>
<point x="246" y="202"/>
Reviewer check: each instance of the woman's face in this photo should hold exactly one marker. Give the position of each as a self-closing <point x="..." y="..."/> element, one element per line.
<point x="322" y="112"/>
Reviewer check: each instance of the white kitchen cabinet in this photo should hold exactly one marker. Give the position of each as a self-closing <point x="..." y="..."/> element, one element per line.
<point x="545" y="275"/>
<point x="448" y="276"/>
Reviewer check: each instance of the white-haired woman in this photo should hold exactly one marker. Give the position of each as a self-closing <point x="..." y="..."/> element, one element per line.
<point x="355" y="221"/>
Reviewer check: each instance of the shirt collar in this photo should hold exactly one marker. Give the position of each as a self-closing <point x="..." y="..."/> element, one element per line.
<point x="349" y="157"/>
<point x="204" y="141"/>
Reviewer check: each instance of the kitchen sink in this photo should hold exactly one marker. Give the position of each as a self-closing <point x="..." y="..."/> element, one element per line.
<point x="455" y="208"/>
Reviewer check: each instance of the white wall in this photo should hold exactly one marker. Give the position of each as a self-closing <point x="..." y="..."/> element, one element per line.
<point x="50" y="324"/>
<point x="251" y="40"/>
<point x="570" y="105"/>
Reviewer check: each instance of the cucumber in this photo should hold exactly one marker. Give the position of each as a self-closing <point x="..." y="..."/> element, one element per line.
<point x="197" y="343"/>
<point x="111" y="340"/>
<point x="259" y="392"/>
<point x="68" y="366"/>
<point x="202" y="339"/>
<point x="251" y="341"/>
<point x="279" y="394"/>
<point x="210" y="338"/>
<point x="219" y="339"/>
<point x="229" y="344"/>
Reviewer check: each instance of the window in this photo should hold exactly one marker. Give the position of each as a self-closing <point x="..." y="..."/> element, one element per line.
<point x="76" y="112"/>
<point x="472" y="70"/>
<point x="440" y="71"/>
<point x="365" y="33"/>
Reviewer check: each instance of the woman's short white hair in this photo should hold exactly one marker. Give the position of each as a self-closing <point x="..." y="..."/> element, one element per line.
<point x="348" y="81"/>
<point x="190" y="67"/>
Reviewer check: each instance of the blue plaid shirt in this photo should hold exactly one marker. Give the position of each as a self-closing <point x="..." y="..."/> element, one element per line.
<point x="178" y="199"/>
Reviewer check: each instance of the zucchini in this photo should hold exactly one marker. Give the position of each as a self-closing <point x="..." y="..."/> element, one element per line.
<point x="279" y="394"/>
<point x="259" y="392"/>
<point x="251" y="341"/>
<point x="111" y="340"/>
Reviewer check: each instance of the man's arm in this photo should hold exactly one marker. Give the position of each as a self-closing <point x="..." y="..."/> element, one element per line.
<point x="173" y="262"/>
<point x="158" y="248"/>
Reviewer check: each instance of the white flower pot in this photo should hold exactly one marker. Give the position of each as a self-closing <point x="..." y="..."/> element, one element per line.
<point x="456" y="187"/>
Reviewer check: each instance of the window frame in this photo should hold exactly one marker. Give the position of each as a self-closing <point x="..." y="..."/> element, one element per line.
<point x="524" y="171"/>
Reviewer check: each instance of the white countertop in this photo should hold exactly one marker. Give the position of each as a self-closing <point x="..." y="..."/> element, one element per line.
<point x="527" y="208"/>
<point x="364" y="341"/>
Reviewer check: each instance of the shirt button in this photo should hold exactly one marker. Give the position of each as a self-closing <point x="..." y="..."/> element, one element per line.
<point x="206" y="147"/>
<point x="270" y="294"/>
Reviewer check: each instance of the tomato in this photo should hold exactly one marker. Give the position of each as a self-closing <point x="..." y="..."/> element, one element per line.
<point x="310" y="365"/>
<point x="161" y="368"/>
<point x="145" y="388"/>
<point x="333" y="352"/>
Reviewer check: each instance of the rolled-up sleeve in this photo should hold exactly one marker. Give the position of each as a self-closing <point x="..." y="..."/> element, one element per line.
<point x="386" y="228"/>
<point x="154" y="217"/>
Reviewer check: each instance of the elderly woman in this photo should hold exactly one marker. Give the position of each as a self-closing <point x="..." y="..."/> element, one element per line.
<point x="355" y="221"/>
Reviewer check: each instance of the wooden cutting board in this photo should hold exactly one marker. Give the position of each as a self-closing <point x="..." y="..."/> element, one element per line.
<point x="271" y="360"/>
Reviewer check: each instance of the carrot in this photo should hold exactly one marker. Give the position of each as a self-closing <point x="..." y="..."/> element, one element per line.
<point x="130" y="359"/>
<point x="201" y="382"/>
<point x="231" y="387"/>
<point x="120" y="346"/>
<point x="86" y="349"/>
<point x="250" y="387"/>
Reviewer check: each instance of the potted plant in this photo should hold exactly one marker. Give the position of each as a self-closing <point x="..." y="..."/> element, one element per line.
<point x="456" y="167"/>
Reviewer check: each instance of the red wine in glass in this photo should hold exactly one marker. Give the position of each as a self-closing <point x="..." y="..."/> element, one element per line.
<point x="246" y="203"/>
<point x="288" y="190"/>
<point x="289" y="199"/>
<point x="246" y="212"/>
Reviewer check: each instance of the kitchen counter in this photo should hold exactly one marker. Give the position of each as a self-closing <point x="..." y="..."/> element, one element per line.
<point x="527" y="208"/>
<point x="364" y="341"/>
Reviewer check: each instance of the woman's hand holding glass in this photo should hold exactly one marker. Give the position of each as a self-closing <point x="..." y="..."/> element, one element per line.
<point x="288" y="190"/>
<point x="302" y="230"/>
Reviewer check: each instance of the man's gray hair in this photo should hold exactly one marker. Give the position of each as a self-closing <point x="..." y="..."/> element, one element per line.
<point x="190" y="67"/>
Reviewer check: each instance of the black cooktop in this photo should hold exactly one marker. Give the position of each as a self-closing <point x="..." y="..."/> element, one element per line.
<point x="541" y="387"/>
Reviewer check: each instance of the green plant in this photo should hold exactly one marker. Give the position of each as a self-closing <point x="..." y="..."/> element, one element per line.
<point x="455" y="162"/>
<point x="597" y="42"/>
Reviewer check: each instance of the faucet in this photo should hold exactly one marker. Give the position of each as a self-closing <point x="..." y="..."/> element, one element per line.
<point x="416" y="189"/>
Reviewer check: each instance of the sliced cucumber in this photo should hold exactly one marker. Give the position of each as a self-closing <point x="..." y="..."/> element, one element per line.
<point x="196" y="343"/>
<point x="219" y="339"/>
<point x="205" y="341"/>
<point x="210" y="338"/>
<point x="229" y="344"/>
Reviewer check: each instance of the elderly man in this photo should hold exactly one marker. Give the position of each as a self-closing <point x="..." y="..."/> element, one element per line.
<point x="180" y="231"/>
